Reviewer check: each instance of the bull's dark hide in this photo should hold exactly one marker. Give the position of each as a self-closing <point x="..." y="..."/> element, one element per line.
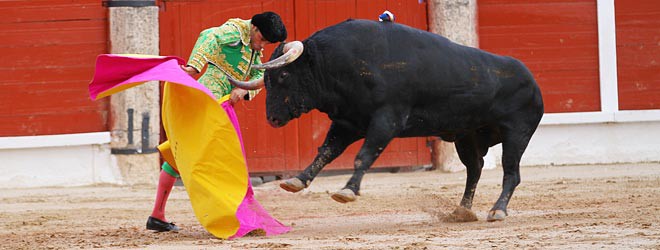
<point x="381" y="80"/>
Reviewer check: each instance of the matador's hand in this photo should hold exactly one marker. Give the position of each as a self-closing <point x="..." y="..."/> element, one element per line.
<point x="237" y="94"/>
<point x="190" y="70"/>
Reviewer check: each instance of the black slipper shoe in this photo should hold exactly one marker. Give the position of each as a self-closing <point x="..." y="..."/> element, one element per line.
<point x="160" y="226"/>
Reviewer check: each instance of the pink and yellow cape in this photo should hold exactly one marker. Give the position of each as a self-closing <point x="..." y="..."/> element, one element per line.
<point x="205" y="143"/>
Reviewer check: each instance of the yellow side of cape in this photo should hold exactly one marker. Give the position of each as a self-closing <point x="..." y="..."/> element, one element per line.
<point x="204" y="147"/>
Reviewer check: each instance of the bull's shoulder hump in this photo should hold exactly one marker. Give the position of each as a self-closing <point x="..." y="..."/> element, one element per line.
<point x="353" y="24"/>
<point x="367" y="30"/>
<point x="356" y="29"/>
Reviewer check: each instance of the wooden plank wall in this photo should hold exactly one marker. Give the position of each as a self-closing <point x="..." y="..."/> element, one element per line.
<point x="638" y="53"/>
<point x="48" y="52"/>
<point x="556" y="39"/>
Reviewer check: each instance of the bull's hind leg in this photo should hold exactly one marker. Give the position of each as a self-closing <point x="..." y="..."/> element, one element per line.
<point x="336" y="141"/>
<point x="515" y="137"/>
<point x="471" y="151"/>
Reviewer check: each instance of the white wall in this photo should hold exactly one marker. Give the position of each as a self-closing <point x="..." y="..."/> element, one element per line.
<point x="57" y="160"/>
<point x="592" y="143"/>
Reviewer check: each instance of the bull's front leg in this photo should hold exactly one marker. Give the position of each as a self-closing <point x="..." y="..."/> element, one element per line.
<point x="383" y="127"/>
<point x="339" y="137"/>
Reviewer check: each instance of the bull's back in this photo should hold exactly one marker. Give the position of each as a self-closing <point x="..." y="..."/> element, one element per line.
<point x="404" y="57"/>
<point x="450" y="87"/>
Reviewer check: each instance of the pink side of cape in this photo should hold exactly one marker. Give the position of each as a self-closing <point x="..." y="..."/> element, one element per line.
<point x="250" y="213"/>
<point x="113" y="71"/>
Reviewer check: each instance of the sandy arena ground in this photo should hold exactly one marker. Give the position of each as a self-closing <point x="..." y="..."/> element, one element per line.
<point x="569" y="207"/>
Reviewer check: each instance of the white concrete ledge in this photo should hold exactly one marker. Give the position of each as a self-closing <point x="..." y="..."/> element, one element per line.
<point x="64" y="140"/>
<point x="600" y="117"/>
<point x="591" y="143"/>
<point x="57" y="160"/>
<point x="576" y="118"/>
<point x="637" y="116"/>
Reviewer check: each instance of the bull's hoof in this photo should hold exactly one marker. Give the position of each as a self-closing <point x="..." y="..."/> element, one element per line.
<point x="343" y="196"/>
<point x="496" y="215"/>
<point x="292" y="185"/>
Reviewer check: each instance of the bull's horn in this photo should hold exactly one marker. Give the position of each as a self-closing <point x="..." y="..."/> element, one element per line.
<point x="291" y="52"/>
<point x="251" y="85"/>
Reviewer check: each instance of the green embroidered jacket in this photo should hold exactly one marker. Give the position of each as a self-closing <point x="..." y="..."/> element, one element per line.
<point x="225" y="48"/>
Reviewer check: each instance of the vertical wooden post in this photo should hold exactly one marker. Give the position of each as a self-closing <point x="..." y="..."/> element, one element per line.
<point x="456" y="20"/>
<point x="134" y="30"/>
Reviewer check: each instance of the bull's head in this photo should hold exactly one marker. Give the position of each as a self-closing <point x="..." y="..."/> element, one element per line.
<point x="285" y="100"/>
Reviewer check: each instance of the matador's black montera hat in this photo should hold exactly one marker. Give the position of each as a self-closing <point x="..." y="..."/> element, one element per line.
<point x="270" y="25"/>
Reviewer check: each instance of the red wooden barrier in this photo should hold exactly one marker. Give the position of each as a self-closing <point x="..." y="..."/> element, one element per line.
<point x="556" y="39"/>
<point x="48" y="49"/>
<point x="293" y="147"/>
<point x="638" y="53"/>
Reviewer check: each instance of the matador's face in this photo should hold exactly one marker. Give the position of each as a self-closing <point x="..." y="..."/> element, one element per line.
<point x="257" y="41"/>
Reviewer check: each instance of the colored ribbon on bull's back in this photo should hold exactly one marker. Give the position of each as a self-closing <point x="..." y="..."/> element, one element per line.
<point x="204" y="144"/>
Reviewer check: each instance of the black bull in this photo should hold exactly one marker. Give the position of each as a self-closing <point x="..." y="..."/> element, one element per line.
<point x="380" y="81"/>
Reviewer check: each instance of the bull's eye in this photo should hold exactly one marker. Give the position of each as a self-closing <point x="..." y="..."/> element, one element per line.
<point x="284" y="75"/>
